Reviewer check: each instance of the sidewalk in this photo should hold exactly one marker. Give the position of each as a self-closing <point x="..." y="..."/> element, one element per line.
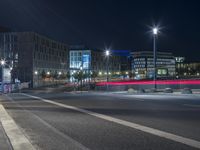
<point x="4" y="141"/>
<point x="11" y="137"/>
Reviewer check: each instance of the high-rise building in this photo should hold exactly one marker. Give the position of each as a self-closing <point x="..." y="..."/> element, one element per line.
<point x="31" y="56"/>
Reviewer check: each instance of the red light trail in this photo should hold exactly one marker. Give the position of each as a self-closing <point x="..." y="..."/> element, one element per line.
<point x="161" y="82"/>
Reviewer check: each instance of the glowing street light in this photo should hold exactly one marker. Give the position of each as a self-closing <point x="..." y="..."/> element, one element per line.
<point x="37" y="77"/>
<point x="3" y="62"/>
<point x="36" y="72"/>
<point x="59" y="73"/>
<point x="81" y="71"/>
<point x="155" y="33"/>
<point x="107" y="52"/>
<point x="107" y="67"/>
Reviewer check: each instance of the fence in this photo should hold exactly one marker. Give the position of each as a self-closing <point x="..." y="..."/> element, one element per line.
<point x="8" y="88"/>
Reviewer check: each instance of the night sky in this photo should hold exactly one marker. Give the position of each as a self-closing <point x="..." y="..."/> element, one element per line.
<point x="115" y="24"/>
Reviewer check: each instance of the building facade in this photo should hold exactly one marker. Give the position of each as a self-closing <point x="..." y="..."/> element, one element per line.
<point x="185" y="69"/>
<point x="93" y="60"/>
<point x="143" y="64"/>
<point x="125" y="59"/>
<point x="32" y="56"/>
<point x="4" y="29"/>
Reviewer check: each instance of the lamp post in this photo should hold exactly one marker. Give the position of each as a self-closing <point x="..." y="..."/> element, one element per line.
<point x="155" y="32"/>
<point x="36" y="74"/>
<point x="81" y="75"/>
<point x="107" y="67"/>
<point x="2" y="69"/>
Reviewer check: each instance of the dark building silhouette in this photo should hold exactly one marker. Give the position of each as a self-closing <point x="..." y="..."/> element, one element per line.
<point x="4" y="29"/>
<point x="31" y="56"/>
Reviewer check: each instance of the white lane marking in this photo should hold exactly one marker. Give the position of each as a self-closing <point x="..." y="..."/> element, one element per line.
<point x="120" y="96"/>
<point x="68" y="138"/>
<point x="165" y="96"/>
<point x="15" y="135"/>
<point x="134" y="98"/>
<point x="163" y="134"/>
<point x="76" y="143"/>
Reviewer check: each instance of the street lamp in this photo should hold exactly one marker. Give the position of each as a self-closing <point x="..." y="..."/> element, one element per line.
<point x="36" y="74"/>
<point x="81" y="75"/>
<point x="155" y="33"/>
<point x="3" y="62"/>
<point x="107" y="52"/>
<point x="107" y="67"/>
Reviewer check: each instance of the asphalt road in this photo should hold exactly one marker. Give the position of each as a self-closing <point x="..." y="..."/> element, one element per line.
<point x="52" y="127"/>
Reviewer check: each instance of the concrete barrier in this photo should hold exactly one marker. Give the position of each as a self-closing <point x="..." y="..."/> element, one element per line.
<point x="186" y="91"/>
<point x="144" y="86"/>
<point x="168" y="90"/>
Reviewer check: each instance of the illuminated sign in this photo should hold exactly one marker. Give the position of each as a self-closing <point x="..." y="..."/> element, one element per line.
<point x="6" y="75"/>
<point x="162" y="71"/>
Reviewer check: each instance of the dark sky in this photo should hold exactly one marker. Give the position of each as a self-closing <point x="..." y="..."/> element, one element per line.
<point x="118" y="24"/>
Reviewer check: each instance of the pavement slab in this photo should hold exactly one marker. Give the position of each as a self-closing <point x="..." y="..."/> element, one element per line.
<point x="4" y="141"/>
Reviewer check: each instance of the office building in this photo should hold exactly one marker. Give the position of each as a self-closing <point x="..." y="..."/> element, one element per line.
<point x="125" y="59"/>
<point x="143" y="64"/>
<point x="33" y="58"/>
<point x="187" y="69"/>
<point x="93" y="60"/>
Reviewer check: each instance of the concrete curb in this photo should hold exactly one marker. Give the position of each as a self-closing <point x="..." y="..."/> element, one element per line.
<point x="15" y="135"/>
<point x="150" y="93"/>
<point x="4" y="140"/>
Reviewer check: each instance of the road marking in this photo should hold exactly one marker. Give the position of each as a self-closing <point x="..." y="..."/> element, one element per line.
<point x="4" y="138"/>
<point x="15" y="135"/>
<point x="68" y="138"/>
<point x="163" y="134"/>
<point x="134" y="98"/>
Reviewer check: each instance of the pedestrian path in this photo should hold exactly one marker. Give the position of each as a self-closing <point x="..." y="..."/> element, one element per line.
<point x="4" y="141"/>
<point x="11" y="137"/>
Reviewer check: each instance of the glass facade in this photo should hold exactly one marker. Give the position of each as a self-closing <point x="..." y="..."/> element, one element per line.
<point x="80" y="58"/>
